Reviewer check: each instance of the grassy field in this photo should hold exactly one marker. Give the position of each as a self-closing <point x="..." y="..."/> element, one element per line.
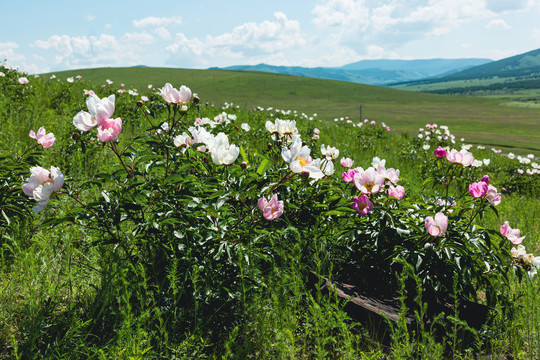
<point x="153" y="249"/>
<point x="478" y="120"/>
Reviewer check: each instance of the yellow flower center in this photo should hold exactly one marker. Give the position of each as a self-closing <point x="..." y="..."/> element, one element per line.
<point x="46" y="181"/>
<point x="302" y="161"/>
<point x="369" y="186"/>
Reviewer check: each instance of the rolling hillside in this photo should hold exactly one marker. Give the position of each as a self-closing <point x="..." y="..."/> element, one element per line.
<point x="515" y="78"/>
<point x="373" y="72"/>
<point x="479" y="120"/>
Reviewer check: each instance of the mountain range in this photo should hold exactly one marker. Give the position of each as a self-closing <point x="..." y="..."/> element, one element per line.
<point x="373" y="72"/>
<point x="516" y="74"/>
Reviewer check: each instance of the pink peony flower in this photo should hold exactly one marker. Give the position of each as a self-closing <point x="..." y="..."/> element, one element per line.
<point x="348" y="175"/>
<point x="437" y="226"/>
<point x="392" y="175"/>
<point x="41" y="184"/>
<point x="440" y="152"/>
<point x="462" y="157"/>
<point x="170" y="94"/>
<point x="478" y="189"/>
<point x="398" y="191"/>
<point x="505" y="228"/>
<point x="271" y="209"/>
<point x="174" y="96"/>
<point x="23" y="80"/>
<point x="45" y="140"/>
<point x="492" y="196"/>
<point x="362" y="205"/>
<point x="347" y="162"/>
<point x="100" y="109"/>
<point x="511" y="234"/>
<point x="485" y="179"/>
<point x="109" y="130"/>
<point x="369" y="181"/>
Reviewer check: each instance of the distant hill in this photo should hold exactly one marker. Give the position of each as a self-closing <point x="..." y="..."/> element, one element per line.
<point x="517" y="77"/>
<point x="523" y="64"/>
<point x="479" y="120"/>
<point x="373" y="72"/>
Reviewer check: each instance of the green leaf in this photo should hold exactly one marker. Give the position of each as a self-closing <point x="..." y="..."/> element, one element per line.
<point x="340" y="211"/>
<point x="6" y="217"/>
<point x="243" y="154"/>
<point x="265" y="164"/>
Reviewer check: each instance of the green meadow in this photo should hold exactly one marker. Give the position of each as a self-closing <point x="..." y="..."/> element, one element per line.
<point x="478" y="120"/>
<point x="164" y="240"/>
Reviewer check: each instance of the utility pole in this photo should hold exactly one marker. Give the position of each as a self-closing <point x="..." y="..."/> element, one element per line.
<point x="360" y="109"/>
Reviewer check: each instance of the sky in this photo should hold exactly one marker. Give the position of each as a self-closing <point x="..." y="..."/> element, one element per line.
<point x="59" y="35"/>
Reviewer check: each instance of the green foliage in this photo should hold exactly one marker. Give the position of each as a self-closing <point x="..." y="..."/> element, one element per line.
<point x="153" y="248"/>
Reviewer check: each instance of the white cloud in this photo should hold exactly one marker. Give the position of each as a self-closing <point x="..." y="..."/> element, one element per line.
<point x="371" y="27"/>
<point x="153" y="21"/>
<point x="502" y="6"/>
<point x="249" y="41"/>
<point x="497" y="24"/>
<point x="162" y="33"/>
<point x="7" y="50"/>
<point x="158" y="25"/>
<point x="90" y="17"/>
<point x="91" y="51"/>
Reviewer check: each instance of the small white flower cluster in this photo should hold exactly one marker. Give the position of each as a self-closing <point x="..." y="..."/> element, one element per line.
<point x="218" y="146"/>
<point x="478" y="163"/>
<point x="528" y="160"/>
<point x="282" y="129"/>
<point x="227" y="105"/>
<point x="434" y="131"/>
<point x="221" y="119"/>
<point x="521" y="255"/>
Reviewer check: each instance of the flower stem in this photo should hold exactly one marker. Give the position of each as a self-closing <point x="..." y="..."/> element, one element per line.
<point x="113" y="147"/>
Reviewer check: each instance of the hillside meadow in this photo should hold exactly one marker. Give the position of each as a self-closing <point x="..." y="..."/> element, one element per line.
<point x="156" y="224"/>
<point x="478" y="120"/>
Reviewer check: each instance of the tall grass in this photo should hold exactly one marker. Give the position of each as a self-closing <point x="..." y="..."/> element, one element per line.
<point x="66" y="292"/>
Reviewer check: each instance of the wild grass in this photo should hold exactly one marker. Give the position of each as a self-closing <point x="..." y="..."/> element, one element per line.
<point x="479" y="120"/>
<point x="65" y="293"/>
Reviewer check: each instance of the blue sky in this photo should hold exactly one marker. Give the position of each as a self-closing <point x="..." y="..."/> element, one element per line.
<point x="59" y="34"/>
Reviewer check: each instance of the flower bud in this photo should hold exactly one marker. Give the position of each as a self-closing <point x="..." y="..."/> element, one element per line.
<point x="75" y="136"/>
<point x="440" y="152"/>
<point x="279" y="142"/>
<point x="196" y="99"/>
<point x="269" y="146"/>
<point x="243" y="164"/>
<point x="485" y="179"/>
<point x="139" y="103"/>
